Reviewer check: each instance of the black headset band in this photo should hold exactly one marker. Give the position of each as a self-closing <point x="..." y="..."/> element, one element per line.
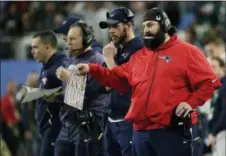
<point x="87" y="33"/>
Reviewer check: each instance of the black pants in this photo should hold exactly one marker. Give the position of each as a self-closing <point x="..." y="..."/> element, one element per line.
<point x="12" y="141"/>
<point x="118" y="138"/>
<point x="73" y="141"/>
<point x="48" y="139"/>
<point x="162" y="142"/>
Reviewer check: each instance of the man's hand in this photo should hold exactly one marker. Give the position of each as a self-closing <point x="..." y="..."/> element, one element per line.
<point x="183" y="109"/>
<point x="82" y="69"/>
<point x="211" y="141"/>
<point x="109" y="51"/>
<point x="63" y="74"/>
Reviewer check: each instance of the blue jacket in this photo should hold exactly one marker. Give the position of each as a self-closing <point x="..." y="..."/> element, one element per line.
<point x="118" y="105"/>
<point x="218" y="123"/>
<point x="96" y="46"/>
<point x="48" y="113"/>
<point x="95" y="97"/>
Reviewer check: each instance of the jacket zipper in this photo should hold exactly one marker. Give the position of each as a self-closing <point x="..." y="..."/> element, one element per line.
<point x="151" y="82"/>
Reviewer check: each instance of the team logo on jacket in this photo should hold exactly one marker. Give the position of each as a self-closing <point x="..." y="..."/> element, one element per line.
<point x="124" y="55"/>
<point x="44" y="80"/>
<point x="166" y="58"/>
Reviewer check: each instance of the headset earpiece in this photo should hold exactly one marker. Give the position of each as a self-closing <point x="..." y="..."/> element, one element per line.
<point x="88" y="34"/>
<point x="165" y="21"/>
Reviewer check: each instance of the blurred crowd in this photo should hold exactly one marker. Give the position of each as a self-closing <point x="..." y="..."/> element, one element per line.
<point x="194" y="20"/>
<point x="199" y="23"/>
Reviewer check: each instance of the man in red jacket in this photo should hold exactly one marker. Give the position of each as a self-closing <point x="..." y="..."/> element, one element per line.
<point x="168" y="78"/>
<point x="10" y="118"/>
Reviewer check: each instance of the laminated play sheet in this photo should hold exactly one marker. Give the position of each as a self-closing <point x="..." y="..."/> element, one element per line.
<point x="75" y="91"/>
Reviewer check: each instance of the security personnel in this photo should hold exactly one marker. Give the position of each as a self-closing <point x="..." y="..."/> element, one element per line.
<point x="168" y="78"/>
<point x="44" y="45"/>
<point x="64" y="28"/>
<point x="81" y="129"/>
<point x="118" y="132"/>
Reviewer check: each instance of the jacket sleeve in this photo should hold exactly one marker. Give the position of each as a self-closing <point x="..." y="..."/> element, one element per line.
<point x="201" y="77"/>
<point x="92" y="88"/>
<point x="53" y="81"/>
<point x="116" y="78"/>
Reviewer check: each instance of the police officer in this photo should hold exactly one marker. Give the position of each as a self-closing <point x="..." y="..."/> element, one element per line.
<point x="64" y="28"/>
<point x="44" y="45"/>
<point x="81" y="129"/>
<point x="118" y="132"/>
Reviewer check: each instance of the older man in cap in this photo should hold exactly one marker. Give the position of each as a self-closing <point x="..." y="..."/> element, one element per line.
<point x="64" y="28"/>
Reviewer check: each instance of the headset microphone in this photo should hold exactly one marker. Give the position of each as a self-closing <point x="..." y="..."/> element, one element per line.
<point x="75" y="49"/>
<point x="148" y="37"/>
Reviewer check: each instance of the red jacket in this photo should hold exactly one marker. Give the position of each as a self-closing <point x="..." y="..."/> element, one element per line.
<point x="176" y="72"/>
<point x="8" y="111"/>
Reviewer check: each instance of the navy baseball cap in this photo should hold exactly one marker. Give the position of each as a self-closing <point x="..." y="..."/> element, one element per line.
<point x="63" y="29"/>
<point x="116" y="16"/>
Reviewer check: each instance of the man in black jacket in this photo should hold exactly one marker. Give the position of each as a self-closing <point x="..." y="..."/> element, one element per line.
<point x="81" y="131"/>
<point x="64" y="28"/>
<point x="118" y="132"/>
<point x="44" y="45"/>
<point x="217" y="129"/>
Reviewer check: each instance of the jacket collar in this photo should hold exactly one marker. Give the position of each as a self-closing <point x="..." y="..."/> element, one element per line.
<point x="51" y="61"/>
<point x="134" y="43"/>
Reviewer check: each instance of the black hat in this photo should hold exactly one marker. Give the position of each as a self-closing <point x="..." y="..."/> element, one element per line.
<point x="154" y="14"/>
<point x="64" y="28"/>
<point x="116" y="16"/>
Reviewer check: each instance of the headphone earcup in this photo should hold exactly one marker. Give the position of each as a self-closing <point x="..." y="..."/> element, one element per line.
<point x="87" y="33"/>
<point x="165" y="21"/>
<point x="167" y="24"/>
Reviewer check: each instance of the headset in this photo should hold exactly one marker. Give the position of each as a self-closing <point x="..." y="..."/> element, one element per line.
<point x="88" y="33"/>
<point x="165" y="21"/>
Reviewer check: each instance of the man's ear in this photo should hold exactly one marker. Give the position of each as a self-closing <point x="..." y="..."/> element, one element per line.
<point x="47" y="47"/>
<point x="129" y="25"/>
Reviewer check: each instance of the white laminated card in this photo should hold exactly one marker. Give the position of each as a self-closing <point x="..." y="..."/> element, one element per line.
<point x="75" y="90"/>
<point x="29" y="94"/>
